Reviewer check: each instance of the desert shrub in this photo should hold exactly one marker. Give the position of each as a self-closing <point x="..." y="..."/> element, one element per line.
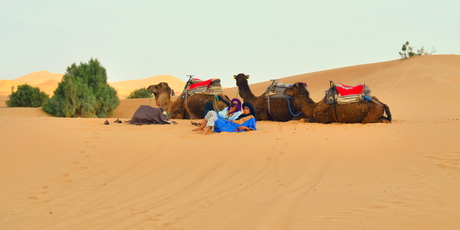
<point x="26" y="96"/>
<point x="408" y="51"/>
<point x="139" y="93"/>
<point x="83" y="92"/>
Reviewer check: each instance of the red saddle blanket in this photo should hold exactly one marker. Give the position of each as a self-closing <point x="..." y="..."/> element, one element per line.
<point x="345" y="90"/>
<point x="206" y="83"/>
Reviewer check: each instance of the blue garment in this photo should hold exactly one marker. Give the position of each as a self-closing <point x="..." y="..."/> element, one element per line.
<point x="222" y="125"/>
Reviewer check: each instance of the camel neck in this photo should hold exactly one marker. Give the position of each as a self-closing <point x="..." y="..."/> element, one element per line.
<point x="245" y="92"/>
<point x="304" y="104"/>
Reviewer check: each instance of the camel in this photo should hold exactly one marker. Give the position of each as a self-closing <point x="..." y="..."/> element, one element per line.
<point x="360" y="112"/>
<point x="279" y="110"/>
<point x="191" y="107"/>
<point x="162" y="93"/>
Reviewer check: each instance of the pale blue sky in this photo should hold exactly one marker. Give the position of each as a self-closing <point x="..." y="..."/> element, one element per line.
<point x="217" y="39"/>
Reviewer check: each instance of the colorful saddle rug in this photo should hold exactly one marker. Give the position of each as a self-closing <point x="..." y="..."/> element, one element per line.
<point x="345" y="94"/>
<point x="345" y="90"/>
<point x="197" y="86"/>
<point x="276" y="90"/>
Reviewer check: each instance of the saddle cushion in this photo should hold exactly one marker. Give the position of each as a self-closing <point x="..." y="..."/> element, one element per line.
<point x="199" y="83"/>
<point x="345" y="90"/>
<point x="197" y="86"/>
<point x="276" y="90"/>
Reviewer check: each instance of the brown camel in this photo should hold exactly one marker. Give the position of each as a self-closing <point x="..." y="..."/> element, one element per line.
<point x="162" y="93"/>
<point x="360" y="112"/>
<point x="190" y="107"/>
<point x="279" y="110"/>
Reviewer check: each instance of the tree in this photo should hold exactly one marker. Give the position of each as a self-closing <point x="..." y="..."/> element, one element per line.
<point x="26" y="96"/>
<point x="139" y="93"/>
<point x="83" y="92"/>
<point x="408" y="51"/>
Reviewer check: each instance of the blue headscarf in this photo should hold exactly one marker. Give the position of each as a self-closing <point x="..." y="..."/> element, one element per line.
<point x="251" y="108"/>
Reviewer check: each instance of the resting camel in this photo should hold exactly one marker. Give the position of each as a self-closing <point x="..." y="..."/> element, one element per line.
<point x="191" y="107"/>
<point x="360" y="112"/>
<point x="279" y="110"/>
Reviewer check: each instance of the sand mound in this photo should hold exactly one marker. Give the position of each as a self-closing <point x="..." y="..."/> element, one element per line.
<point x="63" y="173"/>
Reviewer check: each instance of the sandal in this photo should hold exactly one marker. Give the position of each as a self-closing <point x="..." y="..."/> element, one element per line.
<point x="195" y="123"/>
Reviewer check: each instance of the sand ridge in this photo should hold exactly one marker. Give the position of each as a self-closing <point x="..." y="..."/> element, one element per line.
<point x="75" y="173"/>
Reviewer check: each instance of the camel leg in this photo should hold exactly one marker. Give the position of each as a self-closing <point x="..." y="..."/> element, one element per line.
<point x="262" y="115"/>
<point x="373" y="115"/>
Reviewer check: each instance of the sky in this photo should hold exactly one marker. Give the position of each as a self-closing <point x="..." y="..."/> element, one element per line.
<point x="218" y="38"/>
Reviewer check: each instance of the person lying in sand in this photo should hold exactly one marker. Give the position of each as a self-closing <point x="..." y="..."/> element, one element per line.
<point x="245" y="122"/>
<point x="230" y="113"/>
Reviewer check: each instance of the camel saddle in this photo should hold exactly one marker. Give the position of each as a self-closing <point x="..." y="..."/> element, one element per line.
<point x="276" y="90"/>
<point x="197" y="86"/>
<point x="345" y="94"/>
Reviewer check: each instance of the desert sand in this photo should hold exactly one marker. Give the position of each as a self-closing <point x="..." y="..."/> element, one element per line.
<point x="76" y="173"/>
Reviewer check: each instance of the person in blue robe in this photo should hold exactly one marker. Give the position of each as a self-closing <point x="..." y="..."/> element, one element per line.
<point x="245" y="122"/>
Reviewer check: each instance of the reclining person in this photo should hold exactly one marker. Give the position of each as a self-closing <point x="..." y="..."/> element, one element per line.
<point x="245" y="122"/>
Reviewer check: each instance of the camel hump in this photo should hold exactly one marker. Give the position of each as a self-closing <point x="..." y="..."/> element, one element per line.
<point x="345" y="94"/>
<point x="276" y="90"/>
<point x="198" y="86"/>
<point x="345" y="90"/>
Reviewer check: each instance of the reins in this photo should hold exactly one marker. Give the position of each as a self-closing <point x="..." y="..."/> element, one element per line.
<point x="333" y="87"/>
<point x="150" y="100"/>
<point x="216" y="98"/>
<point x="268" y="98"/>
<point x="289" y="106"/>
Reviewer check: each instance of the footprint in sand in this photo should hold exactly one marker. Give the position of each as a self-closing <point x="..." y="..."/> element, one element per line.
<point x="66" y="181"/>
<point x="65" y="175"/>
<point x="81" y="168"/>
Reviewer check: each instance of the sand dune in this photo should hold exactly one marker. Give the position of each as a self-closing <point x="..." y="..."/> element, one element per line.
<point x="39" y="77"/>
<point x="62" y="173"/>
<point x="48" y="82"/>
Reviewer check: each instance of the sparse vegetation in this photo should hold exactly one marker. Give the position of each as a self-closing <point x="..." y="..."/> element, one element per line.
<point x="83" y="92"/>
<point x="139" y="93"/>
<point x="26" y="96"/>
<point x="408" y="51"/>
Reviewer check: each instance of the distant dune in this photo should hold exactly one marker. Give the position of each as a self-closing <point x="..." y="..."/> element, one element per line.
<point x="39" y="77"/>
<point x="48" y="83"/>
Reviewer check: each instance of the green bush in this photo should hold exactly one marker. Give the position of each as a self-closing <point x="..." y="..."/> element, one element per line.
<point x="139" y="93"/>
<point x="408" y="51"/>
<point x="83" y="92"/>
<point x="26" y="96"/>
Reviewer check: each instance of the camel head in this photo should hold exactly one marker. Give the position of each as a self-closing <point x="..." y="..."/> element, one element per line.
<point x="161" y="88"/>
<point x="240" y="78"/>
<point x="241" y="75"/>
<point x="299" y="88"/>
